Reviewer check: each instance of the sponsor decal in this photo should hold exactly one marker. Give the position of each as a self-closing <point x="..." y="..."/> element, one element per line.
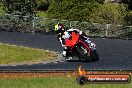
<point x="101" y="78"/>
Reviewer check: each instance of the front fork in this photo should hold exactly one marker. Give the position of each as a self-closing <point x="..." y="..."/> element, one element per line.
<point x="91" y="44"/>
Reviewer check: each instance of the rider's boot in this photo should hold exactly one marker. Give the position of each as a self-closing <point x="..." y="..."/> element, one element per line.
<point x="66" y="56"/>
<point x="64" y="53"/>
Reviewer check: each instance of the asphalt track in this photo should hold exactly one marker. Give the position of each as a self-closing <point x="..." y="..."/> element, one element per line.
<point x="115" y="54"/>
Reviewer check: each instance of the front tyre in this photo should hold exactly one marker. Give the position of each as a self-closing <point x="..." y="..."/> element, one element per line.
<point x="94" y="56"/>
<point x="83" y="52"/>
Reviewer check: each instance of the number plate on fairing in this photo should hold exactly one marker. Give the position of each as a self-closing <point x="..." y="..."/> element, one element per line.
<point x="92" y="46"/>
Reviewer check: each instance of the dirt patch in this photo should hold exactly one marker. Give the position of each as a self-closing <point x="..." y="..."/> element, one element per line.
<point x="14" y="75"/>
<point x="26" y="75"/>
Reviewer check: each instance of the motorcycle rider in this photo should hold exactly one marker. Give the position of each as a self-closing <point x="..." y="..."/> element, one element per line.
<point x="66" y="34"/>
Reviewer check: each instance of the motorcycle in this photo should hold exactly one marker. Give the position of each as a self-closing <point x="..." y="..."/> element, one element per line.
<point x="84" y="49"/>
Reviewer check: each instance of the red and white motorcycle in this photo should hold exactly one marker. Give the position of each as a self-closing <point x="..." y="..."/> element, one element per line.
<point x="81" y="48"/>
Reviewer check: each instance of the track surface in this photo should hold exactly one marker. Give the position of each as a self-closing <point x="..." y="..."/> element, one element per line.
<point x="115" y="54"/>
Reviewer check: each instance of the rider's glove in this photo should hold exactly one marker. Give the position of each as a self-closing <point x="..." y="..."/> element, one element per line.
<point x="80" y="33"/>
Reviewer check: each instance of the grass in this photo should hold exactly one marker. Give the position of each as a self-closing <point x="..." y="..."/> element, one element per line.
<point x="53" y="82"/>
<point x="42" y="14"/>
<point x="1" y="11"/>
<point x="10" y="54"/>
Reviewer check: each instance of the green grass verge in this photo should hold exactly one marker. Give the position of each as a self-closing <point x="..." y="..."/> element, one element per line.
<point x="10" y="54"/>
<point x="42" y="14"/>
<point x="54" y="82"/>
<point x="2" y="12"/>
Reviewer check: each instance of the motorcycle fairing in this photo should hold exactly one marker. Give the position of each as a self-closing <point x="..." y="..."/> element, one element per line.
<point x="73" y="41"/>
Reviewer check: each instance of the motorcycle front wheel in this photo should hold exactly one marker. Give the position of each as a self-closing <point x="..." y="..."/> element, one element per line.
<point x="83" y="52"/>
<point x="94" y="56"/>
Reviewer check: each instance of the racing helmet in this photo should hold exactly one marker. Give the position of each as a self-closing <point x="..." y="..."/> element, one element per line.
<point x="59" y="28"/>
